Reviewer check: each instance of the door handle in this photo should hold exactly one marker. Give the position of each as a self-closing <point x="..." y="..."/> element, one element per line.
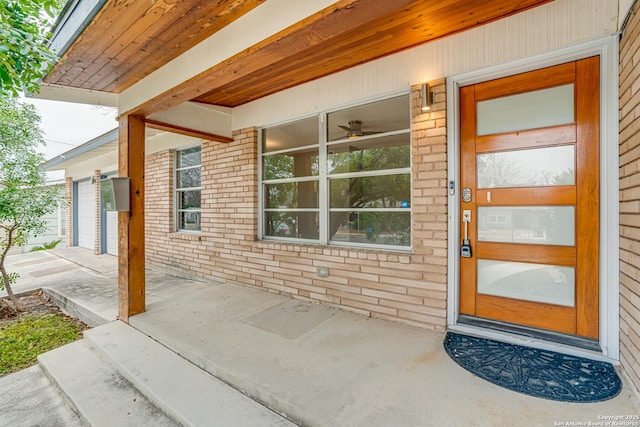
<point x="465" y="249"/>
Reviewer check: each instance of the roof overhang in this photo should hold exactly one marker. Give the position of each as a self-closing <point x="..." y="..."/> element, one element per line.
<point x="72" y="21"/>
<point x="110" y="46"/>
<point x="99" y="146"/>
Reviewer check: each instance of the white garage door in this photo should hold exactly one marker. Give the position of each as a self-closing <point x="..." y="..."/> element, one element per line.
<point x="86" y="214"/>
<point x="112" y="232"/>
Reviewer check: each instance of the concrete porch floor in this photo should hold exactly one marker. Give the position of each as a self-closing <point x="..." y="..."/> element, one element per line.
<point x="317" y="365"/>
<point x="327" y="367"/>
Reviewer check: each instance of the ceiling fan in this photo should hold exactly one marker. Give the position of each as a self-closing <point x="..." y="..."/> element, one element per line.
<point x="354" y="130"/>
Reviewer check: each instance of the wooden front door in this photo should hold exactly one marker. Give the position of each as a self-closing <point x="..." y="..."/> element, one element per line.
<point x="530" y="196"/>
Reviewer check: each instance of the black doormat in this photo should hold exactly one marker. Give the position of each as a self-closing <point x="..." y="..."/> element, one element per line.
<point x="535" y="372"/>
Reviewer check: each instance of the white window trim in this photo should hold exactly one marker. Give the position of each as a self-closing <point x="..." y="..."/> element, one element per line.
<point x="607" y="49"/>
<point x="176" y="191"/>
<point x="324" y="178"/>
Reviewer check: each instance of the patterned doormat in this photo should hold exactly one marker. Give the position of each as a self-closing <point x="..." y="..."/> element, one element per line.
<point x="535" y="372"/>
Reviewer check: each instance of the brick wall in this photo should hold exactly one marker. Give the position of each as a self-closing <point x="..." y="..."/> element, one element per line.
<point x="158" y="178"/>
<point x="409" y="287"/>
<point x="630" y="198"/>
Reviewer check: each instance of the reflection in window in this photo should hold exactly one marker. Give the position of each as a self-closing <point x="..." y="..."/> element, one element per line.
<point x="291" y="165"/>
<point x="291" y="195"/>
<point x="389" y="152"/>
<point x="371" y="227"/>
<point x="189" y="178"/>
<point x="545" y="225"/>
<point x="362" y="194"/>
<point x="290" y="184"/>
<point x="188" y="189"/>
<point x="386" y="191"/>
<point x="188" y="158"/>
<point x="370" y="179"/>
<point x="295" y="224"/>
<point x="291" y="136"/>
<point x="530" y="282"/>
<point x="374" y="118"/>
<point x="538" y="167"/>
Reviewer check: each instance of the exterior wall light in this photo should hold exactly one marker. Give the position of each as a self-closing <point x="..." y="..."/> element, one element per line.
<point x="426" y="97"/>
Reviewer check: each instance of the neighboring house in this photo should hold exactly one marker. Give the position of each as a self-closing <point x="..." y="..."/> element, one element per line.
<point x="86" y="224"/>
<point x="55" y="226"/>
<point x="340" y="152"/>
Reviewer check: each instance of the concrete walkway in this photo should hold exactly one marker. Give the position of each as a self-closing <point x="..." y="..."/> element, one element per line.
<point x="316" y="365"/>
<point x="28" y="398"/>
<point x="89" y="281"/>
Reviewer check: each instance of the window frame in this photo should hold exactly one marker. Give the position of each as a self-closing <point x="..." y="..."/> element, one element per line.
<point x="324" y="179"/>
<point x="177" y="210"/>
<point x="262" y="209"/>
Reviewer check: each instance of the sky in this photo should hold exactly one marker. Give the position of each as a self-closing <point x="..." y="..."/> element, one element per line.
<point x="66" y="125"/>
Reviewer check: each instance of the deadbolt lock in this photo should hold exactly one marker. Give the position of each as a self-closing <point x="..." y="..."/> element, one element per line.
<point x="466" y="195"/>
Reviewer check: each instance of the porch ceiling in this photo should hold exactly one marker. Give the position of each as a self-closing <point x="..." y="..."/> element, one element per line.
<point x="126" y="41"/>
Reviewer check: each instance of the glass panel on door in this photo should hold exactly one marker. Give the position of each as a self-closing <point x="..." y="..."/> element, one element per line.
<point x="529" y="110"/>
<point x="544" y="283"/>
<point x="543" y="225"/>
<point x="527" y="168"/>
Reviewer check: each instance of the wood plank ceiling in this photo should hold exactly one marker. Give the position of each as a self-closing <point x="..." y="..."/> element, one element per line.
<point x="129" y="40"/>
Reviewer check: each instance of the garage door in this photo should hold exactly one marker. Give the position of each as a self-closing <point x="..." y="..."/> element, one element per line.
<point x="86" y="215"/>
<point x="112" y="232"/>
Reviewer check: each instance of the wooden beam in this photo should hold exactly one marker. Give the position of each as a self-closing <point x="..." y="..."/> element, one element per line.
<point x="345" y="34"/>
<point x="128" y="40"/>
<point x="131" y="261"/>
<point x="185" y="29"/>
<point x="153" y="124"/>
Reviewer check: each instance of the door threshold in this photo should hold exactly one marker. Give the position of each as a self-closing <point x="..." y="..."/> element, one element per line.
<point x="556" y="337"/>
<point x="531" y="337"/>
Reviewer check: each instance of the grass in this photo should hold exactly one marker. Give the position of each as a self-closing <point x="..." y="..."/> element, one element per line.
<point x="21" y="342"/>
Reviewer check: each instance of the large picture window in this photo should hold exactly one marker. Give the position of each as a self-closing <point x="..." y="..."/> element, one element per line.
<point x="347" y="182"/>
<point x="188" y="189"/>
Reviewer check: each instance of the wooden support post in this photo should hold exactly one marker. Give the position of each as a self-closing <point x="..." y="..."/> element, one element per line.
<point x="131" y="262"/>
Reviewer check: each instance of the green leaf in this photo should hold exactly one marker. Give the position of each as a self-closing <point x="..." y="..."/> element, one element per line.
<point x="51" y="8"/>
<point x="24" y="32"/>
<point x="4" y="75"/>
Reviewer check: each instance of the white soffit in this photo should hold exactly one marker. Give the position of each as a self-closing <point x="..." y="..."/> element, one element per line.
<point x="161" y="141"/>
<point x="104" y="144"/>
<point x="200" y="117"/>
<point x="81" y="96"/>
<point x="86" y="157"/>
